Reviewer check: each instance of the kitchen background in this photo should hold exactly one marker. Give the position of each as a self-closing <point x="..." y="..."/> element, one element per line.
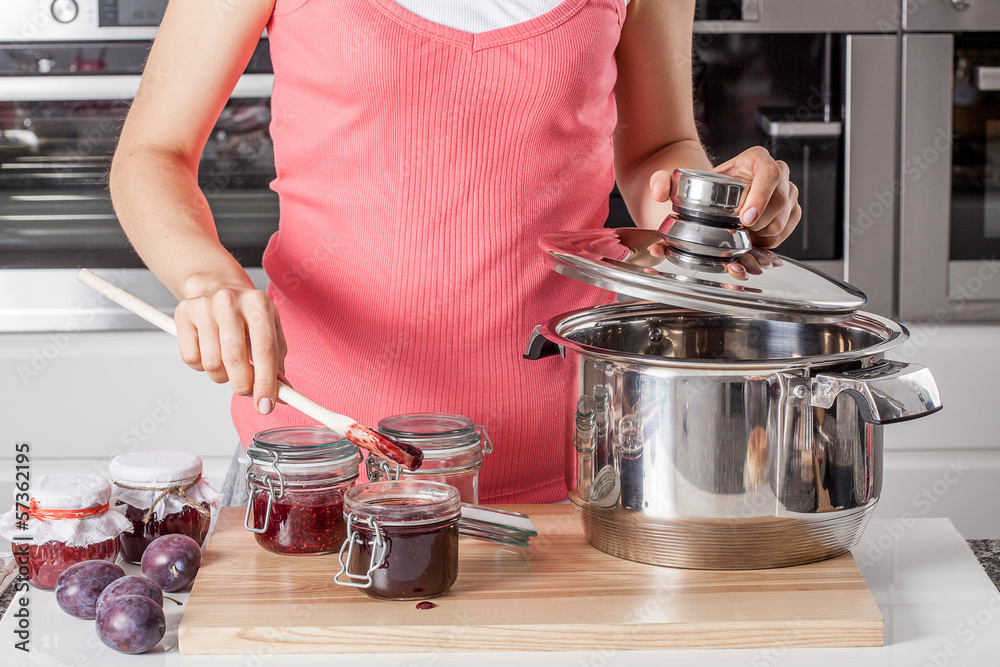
<point x="886" y="110"/>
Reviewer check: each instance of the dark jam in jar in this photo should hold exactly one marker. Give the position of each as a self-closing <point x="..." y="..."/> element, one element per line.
<point x="186" y="522"/>
<point x="402" y="539"/>
<point x="47" y="561"/>
<point x="302" y="523"/>
<point x="421" y="562"/>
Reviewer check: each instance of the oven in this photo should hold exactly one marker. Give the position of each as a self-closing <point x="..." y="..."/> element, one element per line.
<point x="68" y="71"/>
<point x="949" y="185"/>
<point x="814" y="81"/>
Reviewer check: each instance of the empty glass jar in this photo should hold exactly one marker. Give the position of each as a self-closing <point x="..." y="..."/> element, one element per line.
<point x="453" y="448"/>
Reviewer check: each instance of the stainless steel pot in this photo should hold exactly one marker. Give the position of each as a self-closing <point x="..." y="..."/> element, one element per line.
<point x="745" y="437"/>
<point x="710" y="441"/>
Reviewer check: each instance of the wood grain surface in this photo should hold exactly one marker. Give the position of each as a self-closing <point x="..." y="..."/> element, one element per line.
<point x="559" y="594"/>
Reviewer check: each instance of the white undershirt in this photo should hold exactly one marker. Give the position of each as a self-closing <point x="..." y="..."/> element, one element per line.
<point x="478" y="15"/>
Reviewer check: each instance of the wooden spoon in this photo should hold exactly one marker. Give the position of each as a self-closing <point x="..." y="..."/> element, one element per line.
<point x="404" y="454"/>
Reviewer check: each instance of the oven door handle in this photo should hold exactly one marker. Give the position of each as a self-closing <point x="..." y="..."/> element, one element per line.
<point x="106" y="87"/>
<point x="988" y="79"/>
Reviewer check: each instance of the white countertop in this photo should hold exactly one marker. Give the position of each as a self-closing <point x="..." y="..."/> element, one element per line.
<point x="940" y="610"/>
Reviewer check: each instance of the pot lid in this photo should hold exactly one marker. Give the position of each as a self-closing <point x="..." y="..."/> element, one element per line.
<point x="684" y="262"/>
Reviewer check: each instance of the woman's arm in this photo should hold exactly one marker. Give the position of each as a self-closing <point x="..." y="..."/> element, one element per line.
<point x="200" y="52"/>
<point x="656" y="130"/>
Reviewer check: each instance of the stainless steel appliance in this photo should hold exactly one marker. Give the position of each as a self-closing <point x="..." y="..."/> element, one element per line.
<point x="68" y="70"/>
<point x="949" y="182"/>
<point x="814" y="81"/>
<point x="744" y="434"/>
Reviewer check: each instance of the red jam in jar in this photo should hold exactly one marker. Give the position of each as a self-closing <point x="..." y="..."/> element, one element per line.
<point x="66" y="519"/>
<point x="453" y="446"/>
<point x="296" y="480"/>
<point x="47" y="561"/>
<point x="161" y="492"/>
<point x="402" y="539"/>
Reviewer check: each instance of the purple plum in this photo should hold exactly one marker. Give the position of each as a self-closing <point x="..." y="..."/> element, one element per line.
<point x="132" y="585"/>
<point x="79" y="586"/>
<point x="130" y="623"/>
<point x="172" y="561"/>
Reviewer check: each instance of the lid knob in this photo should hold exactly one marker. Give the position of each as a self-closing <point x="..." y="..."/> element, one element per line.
<point x="706" y="195"/>
<point x="704" y="221"/>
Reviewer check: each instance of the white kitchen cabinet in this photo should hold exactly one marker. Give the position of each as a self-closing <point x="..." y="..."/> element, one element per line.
<point x="948" y="464"/>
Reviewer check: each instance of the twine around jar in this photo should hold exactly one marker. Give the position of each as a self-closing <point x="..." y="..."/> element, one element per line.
<point x="180" y="490"/>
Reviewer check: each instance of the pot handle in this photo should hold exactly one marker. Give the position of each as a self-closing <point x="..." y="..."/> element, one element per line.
<point x="539" y="346"/>
<point x="888" y="392"/>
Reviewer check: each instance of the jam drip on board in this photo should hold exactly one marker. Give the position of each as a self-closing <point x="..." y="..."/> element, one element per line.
<point x="186" y="522"/>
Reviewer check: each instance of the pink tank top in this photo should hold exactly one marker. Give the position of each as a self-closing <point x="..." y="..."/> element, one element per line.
<point x="417" y="165"/>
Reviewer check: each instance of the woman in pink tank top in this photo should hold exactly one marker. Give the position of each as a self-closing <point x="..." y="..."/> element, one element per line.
<point x="417" y="165"/>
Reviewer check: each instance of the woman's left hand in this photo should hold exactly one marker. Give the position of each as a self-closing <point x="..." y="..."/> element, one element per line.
<point x="770" y="207"/>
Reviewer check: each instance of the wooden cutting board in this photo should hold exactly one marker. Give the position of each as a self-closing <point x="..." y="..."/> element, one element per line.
<point x="559" y="594"/>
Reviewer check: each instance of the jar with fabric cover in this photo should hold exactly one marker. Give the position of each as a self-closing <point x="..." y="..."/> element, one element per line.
<point x="66" y="520"/>
<point x="295" y="489"/>
<point x="160" y="492"/>
<point x="454" y="447"/>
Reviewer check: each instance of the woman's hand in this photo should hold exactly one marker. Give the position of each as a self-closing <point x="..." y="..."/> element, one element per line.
<point x="770" y="209"/>
<point x="657" y="132"/>
<point x="753" y="263"/>
<point x="234" y="335"/>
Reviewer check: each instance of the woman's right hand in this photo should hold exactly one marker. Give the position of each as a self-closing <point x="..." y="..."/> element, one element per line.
<point x="234" y="335"/>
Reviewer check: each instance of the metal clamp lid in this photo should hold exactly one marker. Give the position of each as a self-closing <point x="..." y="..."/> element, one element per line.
<point x="380" y="550"/>
<point x="494" y="525"/>
<point x="451" y="444"/>
<point x="437" y="433"/>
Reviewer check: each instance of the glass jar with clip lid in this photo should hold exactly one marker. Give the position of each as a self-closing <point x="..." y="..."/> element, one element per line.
<point x="402" y="539"/>
<point x="453" y="447"/>
<point x="296" y="483"/>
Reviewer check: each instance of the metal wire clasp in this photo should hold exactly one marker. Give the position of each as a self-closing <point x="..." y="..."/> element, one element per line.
<point x="272" y="494"/>
<point x="379" y="552"/>
<point x="487" y="443"/>
<point x="379" y="469"/>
